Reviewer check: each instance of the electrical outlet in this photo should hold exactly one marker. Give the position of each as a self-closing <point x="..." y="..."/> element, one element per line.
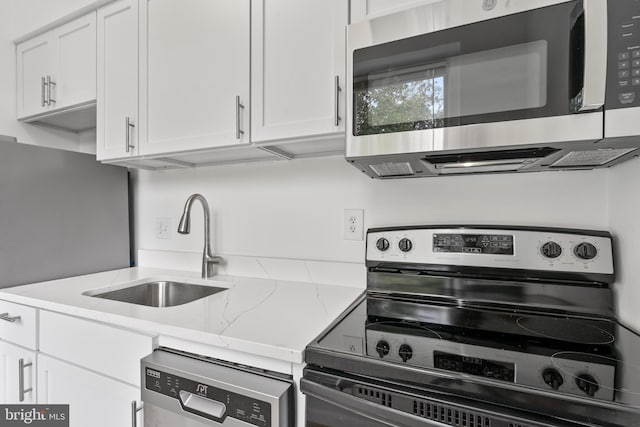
<point x="353" y="224"/>
<point x="163" y="228"/>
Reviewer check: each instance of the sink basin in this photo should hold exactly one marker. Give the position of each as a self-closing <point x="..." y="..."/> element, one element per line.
<point x="159" y="293"/>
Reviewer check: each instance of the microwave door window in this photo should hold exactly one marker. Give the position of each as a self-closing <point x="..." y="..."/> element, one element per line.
<point x="438" y="95"/>
<point x="505" y="79"/>
<point x="397" y="101"/>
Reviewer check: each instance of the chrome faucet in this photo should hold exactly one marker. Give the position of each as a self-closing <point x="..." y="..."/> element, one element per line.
<point x="209" y="261"/>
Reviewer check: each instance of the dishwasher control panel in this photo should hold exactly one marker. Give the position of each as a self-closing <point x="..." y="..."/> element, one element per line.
<point x="214" y="393"/>
<point x="209" y="401"/>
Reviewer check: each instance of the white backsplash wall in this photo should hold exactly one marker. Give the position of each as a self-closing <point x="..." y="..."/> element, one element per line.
<point x="624" y="220"/>
<point x="295" y="209"/>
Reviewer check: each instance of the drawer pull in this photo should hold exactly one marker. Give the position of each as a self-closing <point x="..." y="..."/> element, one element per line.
<point x="6" y="317"/>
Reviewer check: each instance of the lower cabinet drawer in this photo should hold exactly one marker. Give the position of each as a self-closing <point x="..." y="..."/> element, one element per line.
<point x="18" y="324"/>
<point x="109" y="350"/>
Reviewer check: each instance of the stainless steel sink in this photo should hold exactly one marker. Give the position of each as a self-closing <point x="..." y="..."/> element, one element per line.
<point x="159" y="293"/>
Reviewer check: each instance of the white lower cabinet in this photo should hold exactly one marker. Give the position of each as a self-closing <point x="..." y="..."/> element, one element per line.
<point x="17" y="374"/>
<point x="94" y="400"/>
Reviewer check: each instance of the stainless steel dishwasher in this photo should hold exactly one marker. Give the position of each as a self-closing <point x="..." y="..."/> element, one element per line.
<point x="181" y="389"/>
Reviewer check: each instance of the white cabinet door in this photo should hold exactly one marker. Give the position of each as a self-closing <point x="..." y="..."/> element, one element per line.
<point x="94" y="400"/>
<point x="195" y="62"/>
<point x="117" y="74"/>
<point x="34" y="58"/>
<point x="298" y="60"/>
<point x="11" y="371"/>
<point x="57" y="69"/>
<point x="75" y="63"/>
<point x="362" y="10"/>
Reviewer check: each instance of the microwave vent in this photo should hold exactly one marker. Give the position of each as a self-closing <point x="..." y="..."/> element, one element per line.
<point x="393" y="169"/>
<point x="590" y="157"/>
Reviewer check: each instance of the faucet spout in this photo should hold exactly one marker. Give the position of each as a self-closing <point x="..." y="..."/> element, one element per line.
<point x="209" y="261"/>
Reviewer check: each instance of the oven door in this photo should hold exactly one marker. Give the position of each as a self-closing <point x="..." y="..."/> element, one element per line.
<point x="339" y="400"/>
<point x="460" y="75"/>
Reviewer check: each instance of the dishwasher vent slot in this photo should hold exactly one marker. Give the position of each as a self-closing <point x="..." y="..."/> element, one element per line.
<point x="450" y="415"/>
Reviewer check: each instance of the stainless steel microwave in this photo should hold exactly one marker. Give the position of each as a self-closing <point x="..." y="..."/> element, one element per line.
<point x="469" y="86"/>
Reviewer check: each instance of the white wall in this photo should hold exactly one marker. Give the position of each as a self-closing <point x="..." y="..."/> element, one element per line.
<point x="295" y="209"/>
<point x="624" y="220"/>
<point x="18" y="17"/>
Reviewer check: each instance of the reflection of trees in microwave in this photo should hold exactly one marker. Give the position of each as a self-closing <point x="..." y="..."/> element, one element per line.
<point x="399" y="106"/>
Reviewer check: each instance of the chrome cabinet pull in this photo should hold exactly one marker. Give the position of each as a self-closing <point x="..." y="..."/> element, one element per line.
<point x="43" y="99"/>
<point x="337" y="92"/>
<point x="7" y="318"/>
<point x="134" y="413"/>
<point x="49" y="84"/>
<point x="127" y="129"/>
<point x="21" y="389"/>
<point x="238" y="107"/>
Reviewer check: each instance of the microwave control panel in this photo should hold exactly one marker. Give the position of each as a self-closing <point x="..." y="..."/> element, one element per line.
<point x="623" y="75"/>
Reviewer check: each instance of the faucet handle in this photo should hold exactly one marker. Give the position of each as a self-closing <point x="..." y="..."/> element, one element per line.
<point x="209" y="265"/>
<point x="214" y="260"/>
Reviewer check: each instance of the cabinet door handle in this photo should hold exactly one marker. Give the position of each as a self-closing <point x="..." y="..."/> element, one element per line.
<point x="21" y="389"/>
<point x="134" y="413"/>
<point x="239" y="106"/>
<point x="127" y="129"/>
<point x="338" y="89"/>
<point x="7" y="318"/>
<point x="49" y="84"/>
<point x="43" y="98"/>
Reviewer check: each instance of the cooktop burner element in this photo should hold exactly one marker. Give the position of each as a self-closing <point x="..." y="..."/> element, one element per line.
<point x="565" y="330"/>
<point x="520" y="316"/>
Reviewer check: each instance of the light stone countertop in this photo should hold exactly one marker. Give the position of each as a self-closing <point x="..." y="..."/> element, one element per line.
<point x="265" y="317"/>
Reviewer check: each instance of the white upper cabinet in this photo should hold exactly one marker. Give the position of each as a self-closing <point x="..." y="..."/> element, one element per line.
<point x="34" y="59"/>
<point x="75" y="62"/>
<point x="117" y="101"/>
<point x="194" y="74"/>
<point x="298" y="75"/>
<point x="57" y="70"/>
<point x="362" y="10"/>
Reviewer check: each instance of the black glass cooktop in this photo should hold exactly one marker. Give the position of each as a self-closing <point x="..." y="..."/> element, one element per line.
<point x="572" y="356"/>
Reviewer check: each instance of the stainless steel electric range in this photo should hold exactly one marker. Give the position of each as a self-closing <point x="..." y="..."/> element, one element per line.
<point x="479" y="327"/>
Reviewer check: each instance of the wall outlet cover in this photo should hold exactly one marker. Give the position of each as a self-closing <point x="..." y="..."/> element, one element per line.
<point x="163" y="228"/>
<point x="354" y="224"/>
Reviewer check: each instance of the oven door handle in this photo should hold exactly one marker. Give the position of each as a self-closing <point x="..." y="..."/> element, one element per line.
<point x="378" y="413"/>
<point x="595" y="55"/>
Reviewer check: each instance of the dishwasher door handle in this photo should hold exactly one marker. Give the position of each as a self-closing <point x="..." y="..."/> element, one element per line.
<point x="202" y="404"/>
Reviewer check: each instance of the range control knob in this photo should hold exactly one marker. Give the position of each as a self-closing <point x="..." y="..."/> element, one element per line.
<point x="585" y="251"/>
<point x="382" y="348"/>
<point x="382" y="244"/>
<point x="405" y="245"/>
<point x="551" y="250"/>
<point x="552" y="378"/>
<point x="587" y="384"/>
<point x="405" y="352"/>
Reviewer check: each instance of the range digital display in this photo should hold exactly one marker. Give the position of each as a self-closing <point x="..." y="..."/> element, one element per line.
<point x="502" y="371"/>
<point x="493" y="244"/>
